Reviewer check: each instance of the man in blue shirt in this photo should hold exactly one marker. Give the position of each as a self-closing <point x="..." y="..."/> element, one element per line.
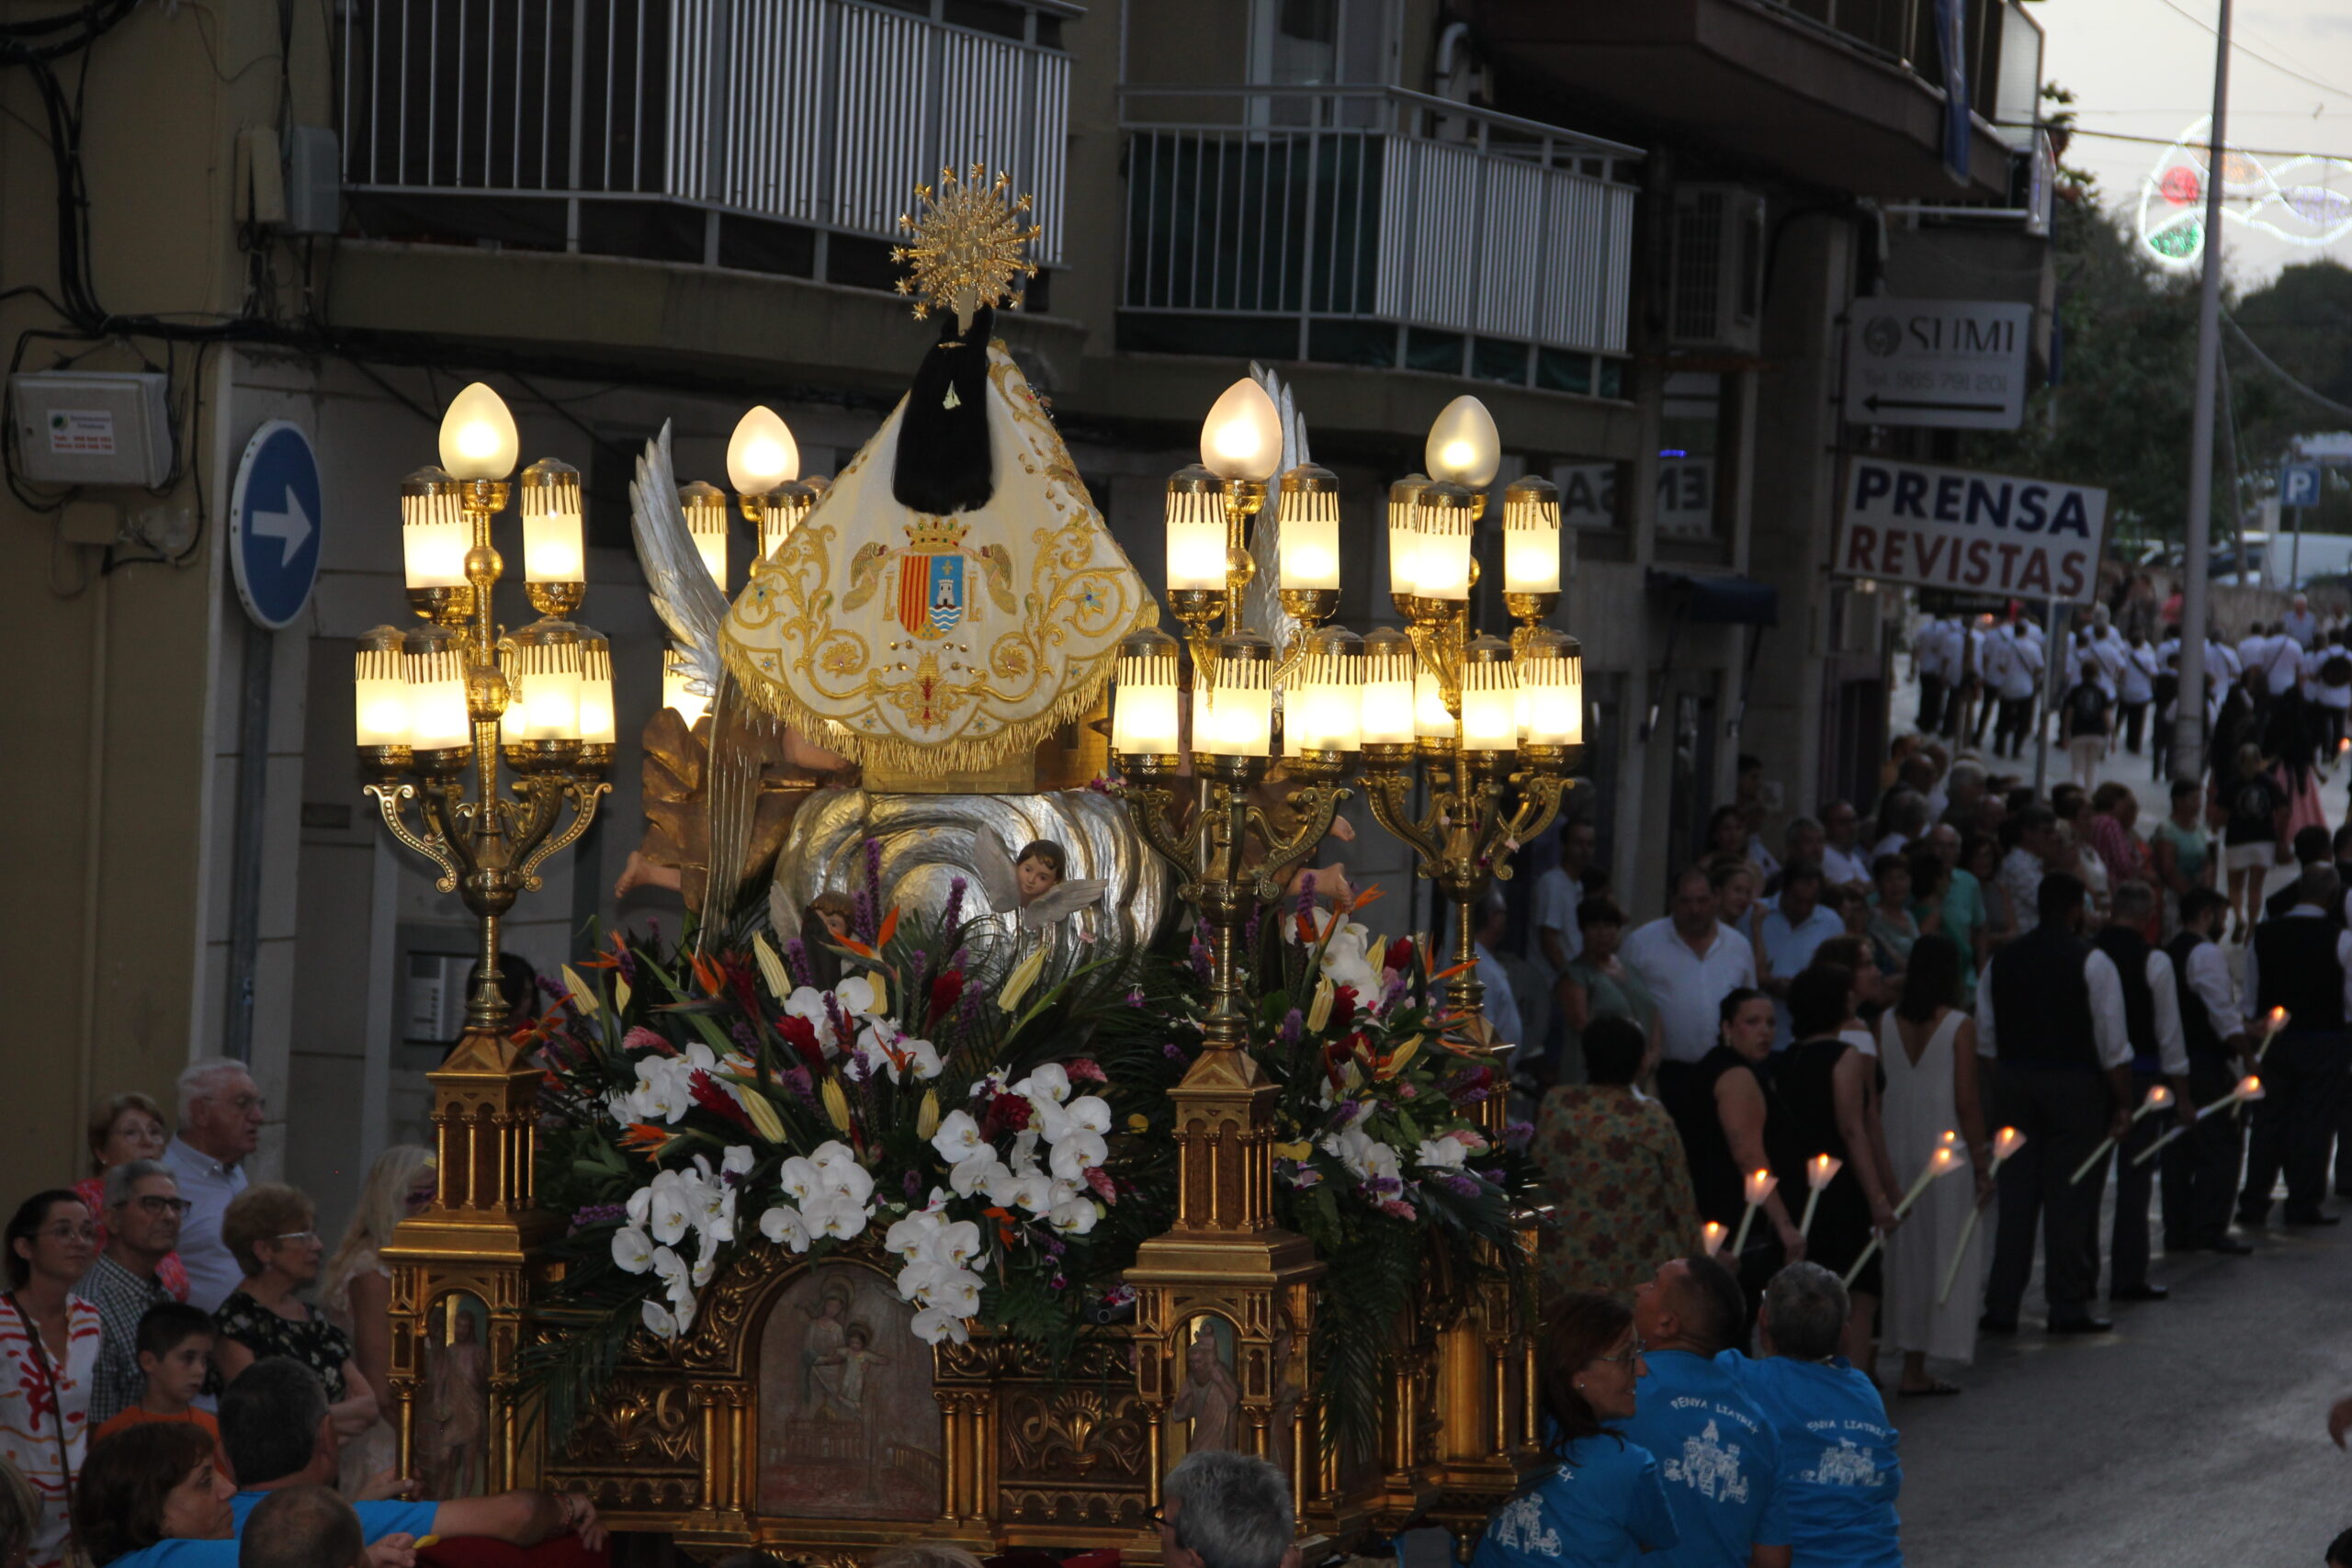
<point x="277" y="1434"/>
<point x="1838" y="1468"/>
<point x="303" y="1527"/>
<point x="1716" y="1453"/>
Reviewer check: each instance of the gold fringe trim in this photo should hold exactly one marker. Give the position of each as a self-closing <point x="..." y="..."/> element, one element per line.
<point x="1081" y="688"/>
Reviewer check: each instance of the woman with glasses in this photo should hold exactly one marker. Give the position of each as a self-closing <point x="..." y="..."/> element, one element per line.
<point x="357" y="1292"/>
<point x="1598" y="1502"/>
<point x="126" y="1127"/>
<point x="271" y="1231"/>
<point x="49" y="1352"/>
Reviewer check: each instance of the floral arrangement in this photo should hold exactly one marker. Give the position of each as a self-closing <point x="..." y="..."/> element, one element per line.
<point x="958" y="1120"/>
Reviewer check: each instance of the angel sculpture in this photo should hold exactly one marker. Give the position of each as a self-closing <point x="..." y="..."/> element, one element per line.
<point x="1033" y="882"/>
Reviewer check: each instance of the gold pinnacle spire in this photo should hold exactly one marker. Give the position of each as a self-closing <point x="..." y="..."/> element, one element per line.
<point x="968" y="244"/>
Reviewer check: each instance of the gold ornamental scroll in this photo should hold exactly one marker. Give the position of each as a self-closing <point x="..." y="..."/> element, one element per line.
<point x="921" y="642"/>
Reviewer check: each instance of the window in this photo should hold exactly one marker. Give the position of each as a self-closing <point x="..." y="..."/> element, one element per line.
<point x="1694" y="458"/>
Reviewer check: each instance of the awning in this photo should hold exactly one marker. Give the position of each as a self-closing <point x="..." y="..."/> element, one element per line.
<point x="1720" y="598"/>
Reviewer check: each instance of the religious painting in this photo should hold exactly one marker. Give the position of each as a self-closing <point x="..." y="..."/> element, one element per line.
<point x="453" y="1415"/>
<point x="1205" y="1414"/>
<point x="848" y="1427"/>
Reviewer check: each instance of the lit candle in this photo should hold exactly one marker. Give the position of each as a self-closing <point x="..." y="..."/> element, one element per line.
<point x="2249" y="1089"/>
<point x="2270" y="1028"/>
<point x="2158" y="1097"/>
<point x="1760" y="1184"/>
<point x="2004" y="1142"/>
<point x="1945" y="1160"/>
<point x="1711" y="1236"/>
<point x="1818" y="1173"/>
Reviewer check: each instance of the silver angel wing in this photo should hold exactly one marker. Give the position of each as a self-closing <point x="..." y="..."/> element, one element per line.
<point x="999" y="878"/>
<point x="685" y="598"/>
<point x="1262" y="606"/>
<point x="1061" y="902"/>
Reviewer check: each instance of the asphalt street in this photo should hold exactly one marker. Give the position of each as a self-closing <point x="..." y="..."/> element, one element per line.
<point x="2195" y="1434"/>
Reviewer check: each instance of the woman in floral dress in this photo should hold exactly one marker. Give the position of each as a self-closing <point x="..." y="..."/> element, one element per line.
<point x="49" y="1351"/>
<point x="1613" y="1172"/>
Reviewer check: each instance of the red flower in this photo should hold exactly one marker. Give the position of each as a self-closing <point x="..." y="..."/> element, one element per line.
<point x="1344" y="1007"/>
<point x="1400" y="955"/>
<point x="1099" y="1179"/>
<point x="1084" y="1070"/>
<point x="945" y="992"/>
<point x="1006" y="1113"/>
<point x="643" y="1038"/>
<point x="717" y="1101"/>
<point x="739" y="980"/>
<point x="801" y="1035"/>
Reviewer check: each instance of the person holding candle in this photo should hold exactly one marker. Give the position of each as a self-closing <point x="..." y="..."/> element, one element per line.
<point x="2303" y="962"/>
<point x="1928" y="1051"/>
<point x="1718" y="1456"/>
<point x="1824" y="1084"/>
<point x="1727" y="1111"/>
<point x="2200" y="1169"/>
<point x="1598" y="1502"/>
<point x="2051" y="1013"/>
<point x="2159" y="1062"/>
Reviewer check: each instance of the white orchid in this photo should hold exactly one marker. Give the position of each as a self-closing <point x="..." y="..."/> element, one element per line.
<point x="1076" y="1154"/>
<point x="799" y="1178"/>
<point x="737" y="1160"/>
<point x="1440" y="1154"/>
<point x="705" y="1265"/>
<point x="1090" y="1113"/>
<point x="632" y="1251"/>
<point x="1074" y="1211"/>
<point x="664" y="1091"/>
<point x="784" y="1225"/>
<point x="859" y="997"/>
<point x="909" y="1236"/>
<point x="1348" y="961"/>
<point x="668" y="1267"/>
<point x="674" y="1203"/>
<point x="1366" y="1157"/>
<point x="657" y="1317"/>
<point x="1049" y="1083"/>
<point x="844" y="1181"/>
<point x="976" y="1172"/>
<point x="958" y="1137"/>
<point x="954" y="1244"/>
<point x="836" y="1217"/>
<point x="935" y="1324"/>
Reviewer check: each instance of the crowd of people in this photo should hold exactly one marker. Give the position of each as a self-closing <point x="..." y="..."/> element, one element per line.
<point x="1876" y="1070"/>
<point x="168" y="1395"/>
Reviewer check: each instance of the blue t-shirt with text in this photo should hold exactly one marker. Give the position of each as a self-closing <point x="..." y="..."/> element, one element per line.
<point x="1598" y="1506"/>
<point x="1838" y="1466"/>
<point x="1717" y="1455"/>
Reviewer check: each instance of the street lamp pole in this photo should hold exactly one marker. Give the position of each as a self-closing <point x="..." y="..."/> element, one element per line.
<point x="2188" y="728"/>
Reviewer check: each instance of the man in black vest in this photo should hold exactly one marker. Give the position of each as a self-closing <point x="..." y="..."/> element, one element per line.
<point x="2201" y="1176"/>
<point x="2050" y="1014"/>
<point x="2300" y="962"/>
<point x="2152" y="1018"/>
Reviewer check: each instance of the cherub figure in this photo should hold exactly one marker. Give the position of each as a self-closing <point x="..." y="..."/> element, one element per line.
<point x="824" y="924"/>
<point x="1033" y="882"/>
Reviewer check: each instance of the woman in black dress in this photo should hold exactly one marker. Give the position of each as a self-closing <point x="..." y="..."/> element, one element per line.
<point x="1731" y="1123"/>
<point x="1824" y="1084"/>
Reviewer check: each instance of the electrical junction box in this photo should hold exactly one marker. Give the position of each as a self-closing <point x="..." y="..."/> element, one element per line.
<point x="91" y="427"/>
<point x="314" y="181"/>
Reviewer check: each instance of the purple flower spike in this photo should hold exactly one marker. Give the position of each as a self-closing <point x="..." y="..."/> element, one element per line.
<point x="1135" y="995"/>
<point x="1464" y="1185"/>
<point x="627" y="957"/>
<point x="743" y="1034"/>
<point x="911" y="1186"/>
<point x="1517" y="1133"/>
<point x="954" y="914"/>
<point x="1307" y="894"/>
<point x="1173" y="1051"/>
<point x="796" y="958"/>
<point x="1294" y="1026"/>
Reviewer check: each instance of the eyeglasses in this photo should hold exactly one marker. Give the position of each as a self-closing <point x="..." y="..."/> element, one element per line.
<point x="297" y="1236"/>
<point x="68" y="1232"/>
<point x="1633" y="1353"/>
<point x="157" y="1204"/>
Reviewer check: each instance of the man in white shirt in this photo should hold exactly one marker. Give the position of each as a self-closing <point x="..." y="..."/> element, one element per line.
<point x="1844" y="862"/>
<point x="2300" y="623"/>
<point x="2301" y="962"/>
<point x="2064" y="1078"/>
<point x="2016" y="673"/>
<point x="2027" y="862"/>
<point x="2282" y="665"/>
<point x="1789" y="933"/>
<point x="1501" y="1005"/>
<point x="1557" y="893"/>
<point x="1690" y="961"/>
<point x="1932" y="658"/>
<point x="2159" y="1060"/>
<point x="2201" y="1166"/>
<point x="221" y="1117"/>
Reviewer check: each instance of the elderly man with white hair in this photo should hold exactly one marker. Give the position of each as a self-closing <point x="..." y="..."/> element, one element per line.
<point x="1220" y="1509"/>
<point x="220" y="1115"/>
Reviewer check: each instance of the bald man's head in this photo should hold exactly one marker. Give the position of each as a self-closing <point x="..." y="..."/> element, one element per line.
<point x="302" y="1527"/>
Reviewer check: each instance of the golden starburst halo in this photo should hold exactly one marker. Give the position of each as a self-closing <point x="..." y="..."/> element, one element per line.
<point x="968" y="244"/>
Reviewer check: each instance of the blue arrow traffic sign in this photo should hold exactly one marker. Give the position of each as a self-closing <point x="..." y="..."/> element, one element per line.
<point x="2299" y="484"/>
<point x="275" y="516"/>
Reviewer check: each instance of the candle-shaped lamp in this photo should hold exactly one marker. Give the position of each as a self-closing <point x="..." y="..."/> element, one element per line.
<point x="1384" y="715"/>
<point x="706" y="509"/>
<point x="1943" y="1162"/>
<point x="1238" y="720"/>
<point x="2272" y="1022"/>
<point x="1711" y="1237"/>
<point x="2006" y="1141"/>
<point x="1195" y="534"/>
<point x="1143" y="702"/>
<point x="1405" y="538"/>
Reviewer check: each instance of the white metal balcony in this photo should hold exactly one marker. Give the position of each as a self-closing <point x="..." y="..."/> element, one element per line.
<point x="709" y="128"/>
<point x="1371" y="225"/>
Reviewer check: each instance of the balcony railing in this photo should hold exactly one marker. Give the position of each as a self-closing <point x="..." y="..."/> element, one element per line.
<point x="1371" y="225"/>
<point x="732" y="126"/>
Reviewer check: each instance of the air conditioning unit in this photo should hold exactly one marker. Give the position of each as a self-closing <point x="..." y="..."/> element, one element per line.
<point x="1715" y="269"/>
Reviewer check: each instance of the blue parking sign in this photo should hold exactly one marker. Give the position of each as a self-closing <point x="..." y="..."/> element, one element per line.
<point x="2299" y="484"/>
<point x="274" y="522"/>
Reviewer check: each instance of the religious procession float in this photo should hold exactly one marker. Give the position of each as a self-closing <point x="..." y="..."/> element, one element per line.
<point x="1019" y="1108"/>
